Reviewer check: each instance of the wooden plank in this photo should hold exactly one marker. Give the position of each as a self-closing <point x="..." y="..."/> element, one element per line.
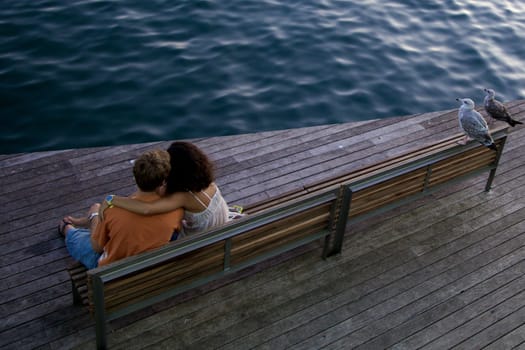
<point x="276" y="239"/>
<point x="477" y="315"/>
<point x="308" y="139"/>
<point x="509" y="277"/>
<point x="194" y="264"/>
<point x="316" y="212"/>
<point x="515" y="339"/>
<point x="50" y="327"/>
<point x="497" y="328"/>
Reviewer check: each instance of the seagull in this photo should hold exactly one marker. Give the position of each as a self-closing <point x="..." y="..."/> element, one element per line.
<point x="496" y="109"/>
<point x="473" y="124"/>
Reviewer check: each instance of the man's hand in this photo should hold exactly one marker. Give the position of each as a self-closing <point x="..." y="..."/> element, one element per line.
<point x="94" y="208"/>
<point x="93" y="222"/>
<point x="101" y="209"/>
<point x="93" y="216"/>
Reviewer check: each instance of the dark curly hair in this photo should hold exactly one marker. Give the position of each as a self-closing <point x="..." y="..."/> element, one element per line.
<point x="191" y="169"/>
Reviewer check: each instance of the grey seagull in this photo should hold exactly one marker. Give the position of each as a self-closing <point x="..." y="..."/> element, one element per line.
<point x="496" y="109"/>
<point x="473" y="125"/>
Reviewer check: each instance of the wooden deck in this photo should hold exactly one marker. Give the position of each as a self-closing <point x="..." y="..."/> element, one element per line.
<point x="443" y="272"/>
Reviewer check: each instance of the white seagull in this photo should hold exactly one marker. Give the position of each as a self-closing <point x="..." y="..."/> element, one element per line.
<point x="496" y="109"/>
<point x="473" y="125"/>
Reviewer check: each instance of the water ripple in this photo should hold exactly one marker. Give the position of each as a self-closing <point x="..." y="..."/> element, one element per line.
<point x="103" y="72"/>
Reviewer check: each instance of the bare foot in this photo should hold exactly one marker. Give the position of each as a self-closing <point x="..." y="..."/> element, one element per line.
<point x="78" y="222"/>
<point x="63" y="227"/>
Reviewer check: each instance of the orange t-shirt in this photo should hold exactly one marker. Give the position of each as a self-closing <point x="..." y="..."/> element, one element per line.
<point x="123" y="233"/>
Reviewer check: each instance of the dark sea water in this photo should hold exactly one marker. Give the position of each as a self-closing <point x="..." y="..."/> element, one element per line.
<point x="89" y="73"/>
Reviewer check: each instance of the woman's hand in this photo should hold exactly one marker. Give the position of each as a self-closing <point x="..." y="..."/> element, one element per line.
<point x="161" y="190"/>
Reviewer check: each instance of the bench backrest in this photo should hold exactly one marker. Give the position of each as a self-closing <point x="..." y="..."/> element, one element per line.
<point x="421" y="174"/>
<point x="378" y="189"/>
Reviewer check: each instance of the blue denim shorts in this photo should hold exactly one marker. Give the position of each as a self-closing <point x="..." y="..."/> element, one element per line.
<point x="78" y="243"/>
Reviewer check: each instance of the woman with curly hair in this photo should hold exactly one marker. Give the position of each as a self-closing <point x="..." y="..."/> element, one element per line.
<point x="190" y="185"/>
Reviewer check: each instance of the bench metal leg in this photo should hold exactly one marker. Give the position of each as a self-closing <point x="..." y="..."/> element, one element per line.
<point x="101" y="335"/>
<point x="341" y="220"/>
<point x="77" y="299"/>
<point x="326" y="246"/>
<point x="488" y="185"/>
<point x="492" y="173"/>
<point x="100" y="313"/>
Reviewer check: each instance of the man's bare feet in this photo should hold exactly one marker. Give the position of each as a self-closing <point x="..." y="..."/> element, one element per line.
<point x="62" y="227"/>
<point x="78" y="222"/>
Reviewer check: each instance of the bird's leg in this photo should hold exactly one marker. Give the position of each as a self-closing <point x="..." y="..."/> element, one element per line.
<point x="464" y="140"/>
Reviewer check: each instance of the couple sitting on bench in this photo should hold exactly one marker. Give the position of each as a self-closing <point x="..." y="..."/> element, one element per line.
<point x="176" y="196"/>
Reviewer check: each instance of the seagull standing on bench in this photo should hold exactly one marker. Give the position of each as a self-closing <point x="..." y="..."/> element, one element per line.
<point x="496" y="109"/>
<point x="473" y="125"/>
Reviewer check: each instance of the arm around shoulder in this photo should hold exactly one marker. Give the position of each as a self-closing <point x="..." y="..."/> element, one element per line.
<point x="160" y="206"/>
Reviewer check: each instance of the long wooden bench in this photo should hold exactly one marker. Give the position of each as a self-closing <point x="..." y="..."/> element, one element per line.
<point x="139" y="281"/>
<point x="320" y="212"/>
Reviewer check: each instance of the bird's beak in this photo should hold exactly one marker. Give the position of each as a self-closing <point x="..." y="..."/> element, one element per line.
<point x="458" y="99"/>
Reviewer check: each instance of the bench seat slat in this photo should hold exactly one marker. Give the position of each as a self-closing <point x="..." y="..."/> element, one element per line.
<point x="370" y="193"/>
<point x="443" y="177"/>
<point x="137" y="293"/>
<point x="321" y="211"/>
<point x="170" y="273"/>
<point x="267" y="242"/>
<point x="177" y="264"/>
<point x="259" y="250"/>
<point x="368" y="204"/>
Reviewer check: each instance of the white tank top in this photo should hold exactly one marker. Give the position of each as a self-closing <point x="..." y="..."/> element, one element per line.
<point x="216" y="213"/>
